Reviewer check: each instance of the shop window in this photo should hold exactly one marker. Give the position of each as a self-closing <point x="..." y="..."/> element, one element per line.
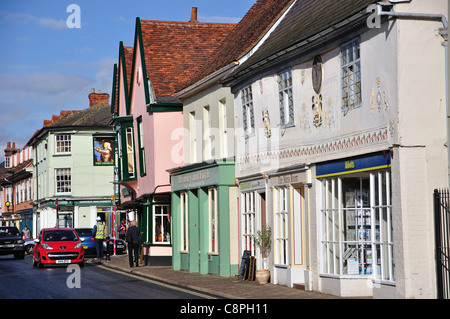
<point x="281" y="229"/>
<point x="63" y="144"/>
<point x="249" y="222"/>
<point x="161" y="222"/>
<point x="213" y="227"/>
<point x="184" y="222"/>
<point x="356" y="226"/>
<point x="286" y="101"/>
<point x="63" y="181"/>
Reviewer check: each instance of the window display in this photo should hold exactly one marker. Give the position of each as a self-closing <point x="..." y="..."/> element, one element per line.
<point x="356" y="225"/>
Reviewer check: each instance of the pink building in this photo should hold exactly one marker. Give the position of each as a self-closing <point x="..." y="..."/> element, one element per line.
<point x="149" y="120"/>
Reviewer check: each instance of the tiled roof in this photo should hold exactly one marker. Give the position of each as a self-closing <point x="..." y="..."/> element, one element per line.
<point x="174" y="51"/>
<point x="95" y="116"/>
<point x="253" y="26"/>
<point x="307" y="18"/>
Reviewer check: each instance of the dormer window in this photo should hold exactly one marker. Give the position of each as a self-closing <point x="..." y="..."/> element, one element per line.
<point x="8" y="162"/>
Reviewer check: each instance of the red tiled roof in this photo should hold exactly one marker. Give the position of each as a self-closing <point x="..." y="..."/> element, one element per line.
<point x="174" y="51"/>
<point x="250" y="30"/>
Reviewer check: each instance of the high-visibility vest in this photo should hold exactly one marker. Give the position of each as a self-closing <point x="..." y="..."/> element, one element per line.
<point x="100" y="232"/>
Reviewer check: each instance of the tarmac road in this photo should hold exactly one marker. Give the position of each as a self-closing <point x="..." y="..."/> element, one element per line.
<point x="20" y="280"/>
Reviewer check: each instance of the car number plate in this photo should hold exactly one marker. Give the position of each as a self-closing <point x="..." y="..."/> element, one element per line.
<point x="63" y="261"/>
<point x="10" y="246"/>
<point x="119" y="246"/>
<point x="85" y="247"/>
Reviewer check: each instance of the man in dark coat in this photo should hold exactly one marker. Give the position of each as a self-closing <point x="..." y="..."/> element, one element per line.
<point x="134" y="240"/>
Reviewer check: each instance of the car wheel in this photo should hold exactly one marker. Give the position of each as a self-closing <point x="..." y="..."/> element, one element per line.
<point x="34" y="262"/>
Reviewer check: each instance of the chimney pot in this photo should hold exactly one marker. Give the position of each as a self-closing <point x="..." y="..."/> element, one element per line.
<point x="194" y="15"/>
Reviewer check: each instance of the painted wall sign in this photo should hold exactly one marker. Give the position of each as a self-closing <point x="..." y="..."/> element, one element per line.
<point x="103" y="151"/>
<point x="195" y="179"/>
<point x="354" y="164"/>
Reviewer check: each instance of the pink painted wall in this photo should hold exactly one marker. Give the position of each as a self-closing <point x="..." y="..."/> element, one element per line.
<point x="158" y="128"/>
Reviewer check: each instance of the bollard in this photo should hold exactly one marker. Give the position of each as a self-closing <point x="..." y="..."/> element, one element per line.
<point x="107" y="248"/>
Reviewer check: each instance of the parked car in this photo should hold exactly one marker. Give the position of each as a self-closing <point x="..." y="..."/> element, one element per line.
<point x="11" y="242"/>
<point x="58" y="246"/>
<point x="89" y="243"/>
<point x="29" y="245"/>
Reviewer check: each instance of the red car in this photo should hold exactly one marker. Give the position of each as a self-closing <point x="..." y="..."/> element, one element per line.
<point x="58" y="246"/>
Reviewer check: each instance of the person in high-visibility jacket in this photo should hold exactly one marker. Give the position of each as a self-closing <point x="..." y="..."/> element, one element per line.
<point x="99" y="234"/>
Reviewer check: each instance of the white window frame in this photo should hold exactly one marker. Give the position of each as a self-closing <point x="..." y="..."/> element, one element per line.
<point x="223" y="128"/>
<point x="248" y="205"/>
<point x="184" y="222"/>
<point x="213" y="222"/>
<point x="207" y="138"/>
<point x="285" y="98"/>
<point x="63" y="144"/>
<point x="8" y="162"/>
<point x="281" y="231"/>
<point x="192" y="138"/>
<point x="248" y="113"/>
<point x="130" y="152"/>
<point x="373" y="232"/>
<point x="63" y="180"/>
<point x="351" y="75"/>
<point x="161" y="215"/>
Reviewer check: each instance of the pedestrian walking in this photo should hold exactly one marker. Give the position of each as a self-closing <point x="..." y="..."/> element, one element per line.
<point x="26" y="232"/>
<point x="98" y="232"/>
<point x="122" y="229"/>
<point x="134" y="240"/>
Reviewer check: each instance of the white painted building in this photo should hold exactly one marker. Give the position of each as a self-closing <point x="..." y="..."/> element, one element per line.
<point x="343" y="132"/>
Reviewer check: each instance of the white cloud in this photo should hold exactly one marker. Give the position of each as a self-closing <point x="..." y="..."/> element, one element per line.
<point x="25" y="18"/>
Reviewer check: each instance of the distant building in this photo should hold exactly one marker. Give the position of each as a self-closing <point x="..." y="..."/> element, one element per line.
<point x="74" y="167"/>
<point x="16" y="175"/>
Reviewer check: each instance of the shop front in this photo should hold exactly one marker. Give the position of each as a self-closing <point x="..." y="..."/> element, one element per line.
<point x="355" y="224"/>
<point x="157" y="229"/>
<point x="205" y="218"/>
<point x="290" y="213"/>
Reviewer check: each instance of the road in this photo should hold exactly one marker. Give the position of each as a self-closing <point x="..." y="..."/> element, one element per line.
<point x="20" y="280"/>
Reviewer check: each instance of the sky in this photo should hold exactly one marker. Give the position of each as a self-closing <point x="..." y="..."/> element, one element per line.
<point x="53" y="53"/>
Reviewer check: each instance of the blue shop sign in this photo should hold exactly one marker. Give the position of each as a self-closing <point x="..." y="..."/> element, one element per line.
<point x="354" y="164"/>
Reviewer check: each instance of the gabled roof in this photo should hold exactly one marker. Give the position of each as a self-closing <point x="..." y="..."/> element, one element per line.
<point x="308" y="23"/>
<point x="249" y="31"/>
<point x="126" y="55"/>
<point x="174" y="51"/>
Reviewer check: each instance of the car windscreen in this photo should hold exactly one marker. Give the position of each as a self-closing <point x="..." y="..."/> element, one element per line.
<point x="82" y="232"/>
<point x="60" y="235"/>
<point x="9" y="232"/>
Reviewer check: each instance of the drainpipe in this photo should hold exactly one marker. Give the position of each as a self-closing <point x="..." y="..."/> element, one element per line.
<point x="444" y="33"/>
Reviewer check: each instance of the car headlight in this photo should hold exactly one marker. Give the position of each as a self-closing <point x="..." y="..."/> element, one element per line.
<point x="79" y="245"/>
<point x="46" y="246"/>
<point x="20" y="241"/>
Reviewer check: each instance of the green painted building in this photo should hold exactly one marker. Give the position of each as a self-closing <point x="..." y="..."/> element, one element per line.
<point x="205" y="218"/>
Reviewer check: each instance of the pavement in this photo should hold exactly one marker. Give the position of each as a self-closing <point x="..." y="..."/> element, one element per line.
<point x="222" y="287"/>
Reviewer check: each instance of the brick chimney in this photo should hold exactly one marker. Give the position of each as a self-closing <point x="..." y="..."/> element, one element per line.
<point x="194" y="15"/>
<point x="97" y="98"/>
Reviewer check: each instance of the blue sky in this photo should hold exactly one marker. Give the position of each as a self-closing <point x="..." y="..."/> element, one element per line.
<point x="45" y="66"/>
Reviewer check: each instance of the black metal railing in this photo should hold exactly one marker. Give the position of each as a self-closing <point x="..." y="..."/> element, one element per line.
<point x="442" y="234"/>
